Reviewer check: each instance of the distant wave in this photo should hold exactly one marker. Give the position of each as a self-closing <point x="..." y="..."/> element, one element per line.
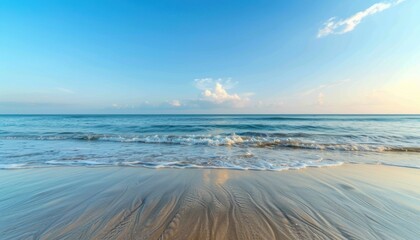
<point x="197" y="127"/>
<point x="245" y="139"/>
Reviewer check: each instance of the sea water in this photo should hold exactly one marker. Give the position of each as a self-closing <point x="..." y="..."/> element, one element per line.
<point x="248" y="142"/>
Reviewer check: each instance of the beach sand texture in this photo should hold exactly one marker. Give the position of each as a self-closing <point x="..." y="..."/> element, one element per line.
<point x="346" y="202"/>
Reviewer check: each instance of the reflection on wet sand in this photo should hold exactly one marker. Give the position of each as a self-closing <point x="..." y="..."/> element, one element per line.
<point x="218" y="177"/>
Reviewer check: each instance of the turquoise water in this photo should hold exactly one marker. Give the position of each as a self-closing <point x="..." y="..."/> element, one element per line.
<point x="258" y="142"/>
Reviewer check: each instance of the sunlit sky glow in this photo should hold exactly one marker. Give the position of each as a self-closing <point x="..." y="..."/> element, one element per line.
<point x="210" y="56"/>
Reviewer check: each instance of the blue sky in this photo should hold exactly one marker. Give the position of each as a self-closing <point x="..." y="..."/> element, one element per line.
<point x="210" y="56"/>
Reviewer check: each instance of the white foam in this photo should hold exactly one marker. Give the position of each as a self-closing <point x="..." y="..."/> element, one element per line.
<point x="13" y="166"/>
<point x="75" y="162"/>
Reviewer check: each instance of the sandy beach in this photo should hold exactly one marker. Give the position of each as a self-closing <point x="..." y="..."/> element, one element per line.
<point x="345" y="202"/>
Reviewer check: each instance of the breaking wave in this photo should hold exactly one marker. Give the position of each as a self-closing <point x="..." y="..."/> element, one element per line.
<point x="247" y="142"/>
<point x="246" y="139"/>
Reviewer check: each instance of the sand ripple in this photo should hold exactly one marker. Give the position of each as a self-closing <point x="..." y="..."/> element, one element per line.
<point x="348" y="202"/>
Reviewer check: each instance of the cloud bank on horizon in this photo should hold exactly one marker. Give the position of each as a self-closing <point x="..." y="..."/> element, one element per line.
<point x="334" y="26"/>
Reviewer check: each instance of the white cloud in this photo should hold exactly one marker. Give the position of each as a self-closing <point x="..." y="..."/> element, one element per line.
<point x="206" y="83"/>
<point x="333" y="26"/>
<point x="175" y="103"/>
<point x="219" y="94"/>
<point x="216" y="91"/>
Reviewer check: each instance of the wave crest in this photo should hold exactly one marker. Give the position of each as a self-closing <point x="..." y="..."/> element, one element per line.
<point x="246" y="139"/>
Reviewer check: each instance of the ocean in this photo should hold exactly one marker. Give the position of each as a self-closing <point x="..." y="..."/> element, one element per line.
<point x="243" y="142"/>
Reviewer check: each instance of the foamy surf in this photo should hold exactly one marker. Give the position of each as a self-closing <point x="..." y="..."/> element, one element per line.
<point x="245" y="142"/>
<point x="12" y="166"/>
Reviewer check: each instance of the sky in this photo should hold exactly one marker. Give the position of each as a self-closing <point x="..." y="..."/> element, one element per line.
<point x="209" y="56"/>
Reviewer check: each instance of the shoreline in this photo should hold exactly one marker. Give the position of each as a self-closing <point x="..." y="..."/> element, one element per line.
<point x="357" y="201"/>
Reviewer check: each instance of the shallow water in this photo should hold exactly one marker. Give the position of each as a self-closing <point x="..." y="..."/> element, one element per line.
<point x="258" y="142"/>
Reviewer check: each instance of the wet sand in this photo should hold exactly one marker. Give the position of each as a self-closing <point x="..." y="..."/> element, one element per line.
<point x="345" y="202"/>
